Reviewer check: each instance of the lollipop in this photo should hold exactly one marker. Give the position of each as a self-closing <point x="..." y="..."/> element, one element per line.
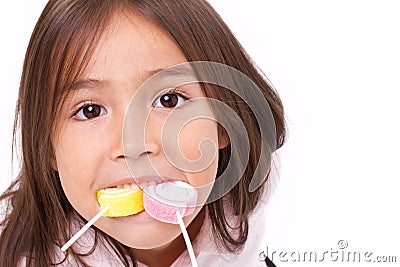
<point x="162" y="201"/>
<point x="121" y="201"/>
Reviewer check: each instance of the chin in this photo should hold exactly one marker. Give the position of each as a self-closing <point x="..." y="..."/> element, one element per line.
<point x="140" y="235"/>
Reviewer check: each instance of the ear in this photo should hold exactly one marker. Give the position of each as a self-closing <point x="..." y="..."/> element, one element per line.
<point x="223" y="138"/>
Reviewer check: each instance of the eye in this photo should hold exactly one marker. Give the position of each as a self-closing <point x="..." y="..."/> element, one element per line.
<point x="171" y="99"/>
<point x="90" y="111"/>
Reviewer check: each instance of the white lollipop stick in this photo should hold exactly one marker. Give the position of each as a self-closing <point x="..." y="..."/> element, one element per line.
<point x="187" y="240"/>
<point x="84" y="229"/>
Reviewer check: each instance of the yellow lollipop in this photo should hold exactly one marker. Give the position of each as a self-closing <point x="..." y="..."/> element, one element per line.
<point x="120" y="201"/>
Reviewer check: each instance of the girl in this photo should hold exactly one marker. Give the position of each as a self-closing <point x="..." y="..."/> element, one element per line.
<point x="85" y="61"/>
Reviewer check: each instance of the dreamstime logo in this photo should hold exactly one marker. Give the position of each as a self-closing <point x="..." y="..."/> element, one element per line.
<point x="342" y="244"/>
<point x="224" y="84"/>
<point x="340" y="254"/>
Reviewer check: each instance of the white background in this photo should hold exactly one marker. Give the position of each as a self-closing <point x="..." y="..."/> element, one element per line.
<point x="336" y="67"/>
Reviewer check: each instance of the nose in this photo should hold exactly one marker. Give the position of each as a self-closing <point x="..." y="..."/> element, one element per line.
<point x="132" y="142"/>
<point x="142" y="145"/>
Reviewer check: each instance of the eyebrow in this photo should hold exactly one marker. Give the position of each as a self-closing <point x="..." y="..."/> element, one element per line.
<point x="184" y="70"/>
<point x="88" y="83"/>
<point x="98" y="84"/>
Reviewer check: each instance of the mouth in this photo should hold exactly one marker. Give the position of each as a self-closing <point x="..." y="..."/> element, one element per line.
<point x="137" y="183"/>
<point x="162" y="198"/>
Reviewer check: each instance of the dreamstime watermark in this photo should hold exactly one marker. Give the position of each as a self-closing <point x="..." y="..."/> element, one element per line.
<point x="341" y="253"/>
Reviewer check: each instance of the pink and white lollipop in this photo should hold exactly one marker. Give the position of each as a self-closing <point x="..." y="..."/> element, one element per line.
<point x="162" y="201"/>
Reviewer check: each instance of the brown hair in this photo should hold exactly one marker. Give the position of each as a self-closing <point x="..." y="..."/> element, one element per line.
<point x="63" y="40"/>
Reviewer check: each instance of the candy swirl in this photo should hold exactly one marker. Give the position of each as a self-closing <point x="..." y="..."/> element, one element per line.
<point x="162" y="201"/>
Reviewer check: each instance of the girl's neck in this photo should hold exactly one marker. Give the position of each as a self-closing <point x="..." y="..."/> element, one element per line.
<point x="167" y="255"/>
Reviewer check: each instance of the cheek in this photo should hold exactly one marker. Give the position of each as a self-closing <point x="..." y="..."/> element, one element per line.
<point x="73" y="158"/>
<point x="198" y="141"/>
<point x="197" y="137"/>
<point x="76" y="164"/>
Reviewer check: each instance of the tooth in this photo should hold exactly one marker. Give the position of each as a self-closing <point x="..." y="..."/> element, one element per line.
<point x="152" y="183"/>
<point x="120" y="186"/>
<point x="134" y="187"/>
<point x="144" y="184"/>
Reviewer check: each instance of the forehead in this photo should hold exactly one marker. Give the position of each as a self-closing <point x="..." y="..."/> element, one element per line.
<point x="130" y="49"/>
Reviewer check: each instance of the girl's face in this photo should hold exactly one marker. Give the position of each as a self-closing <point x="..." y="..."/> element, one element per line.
<point x="88" y="145"/>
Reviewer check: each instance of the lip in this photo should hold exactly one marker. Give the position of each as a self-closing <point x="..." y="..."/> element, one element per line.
<point x="141" y="179"/>
<point x="128" y="180"/>
<point x="141" y="217"/>
<point x="152" y="178"/>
